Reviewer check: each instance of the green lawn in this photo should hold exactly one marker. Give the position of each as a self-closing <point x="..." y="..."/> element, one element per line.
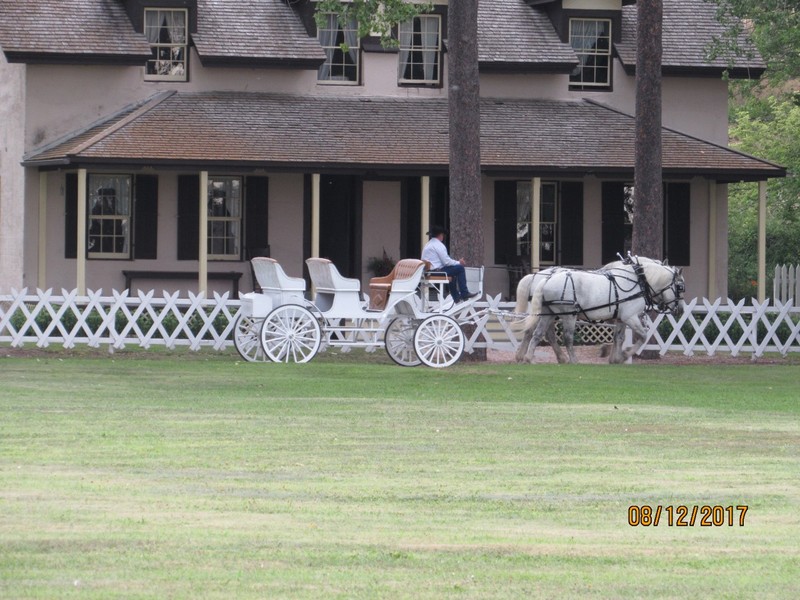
<point x="162" y="475"/>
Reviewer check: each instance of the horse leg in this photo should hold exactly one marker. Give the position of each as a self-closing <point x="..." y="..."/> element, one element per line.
<point x="538" y="333"/>
<point x="616" y="355"/>
<point x="568" y="323"/>
<point x="637" y="325"/>
<point x="552" y="339"/>
<point x="523" y="346"/>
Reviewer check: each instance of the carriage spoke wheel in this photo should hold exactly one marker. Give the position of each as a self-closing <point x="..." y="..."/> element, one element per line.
<point x="439" y="341"/>
<point x="290" y="333"/>
<point x="247" y="339"/>
<point x="399" y="342"/>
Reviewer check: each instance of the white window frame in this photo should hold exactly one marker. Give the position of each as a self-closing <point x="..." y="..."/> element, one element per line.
<point x="102" y="210"/>
<point x="590" y="53"/>
<point x="224" y="234"/>
<point x="548" y="229"/>
<point x="412" y="47"/>
<point x="331" y="40"/>
<point x="176" y="67"/>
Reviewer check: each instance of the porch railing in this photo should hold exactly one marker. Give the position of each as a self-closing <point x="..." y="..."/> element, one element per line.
<point x="119" y="320"/>
<point x="786" y="284"/>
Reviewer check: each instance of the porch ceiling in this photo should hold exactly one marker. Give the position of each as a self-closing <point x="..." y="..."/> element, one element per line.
<point x="315" y="133"/>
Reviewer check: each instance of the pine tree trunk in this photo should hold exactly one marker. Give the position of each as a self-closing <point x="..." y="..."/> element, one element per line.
<point x="466" y="220"/>
<point x="648" y="187"/>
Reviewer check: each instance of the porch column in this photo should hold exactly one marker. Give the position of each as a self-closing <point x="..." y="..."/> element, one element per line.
<point x="712" y="240"/>
<point x="536" y="242"/>
<point x="41" y="279"/>
<point x="202" y="268"/>
<point x="315" y="194"/>
<point x="762" y="240"/>
<point x="80" y="278"/>
<point x="425" y="210"/>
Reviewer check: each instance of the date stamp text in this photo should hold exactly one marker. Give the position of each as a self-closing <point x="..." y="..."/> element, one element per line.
<point x="681" y="515"/>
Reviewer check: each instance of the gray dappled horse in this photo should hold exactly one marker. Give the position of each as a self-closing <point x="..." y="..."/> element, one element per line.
<point x="621" y="291"/>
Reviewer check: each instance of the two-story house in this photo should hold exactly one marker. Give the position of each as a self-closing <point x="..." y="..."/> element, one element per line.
<point x="188" y="135"/>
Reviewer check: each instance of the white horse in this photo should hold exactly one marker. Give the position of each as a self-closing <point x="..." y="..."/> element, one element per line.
<point x="568" y="321"/>
<point x="622" y="293"/>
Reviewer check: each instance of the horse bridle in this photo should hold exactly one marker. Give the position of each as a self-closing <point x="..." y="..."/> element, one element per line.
<point x="650" y="294"/>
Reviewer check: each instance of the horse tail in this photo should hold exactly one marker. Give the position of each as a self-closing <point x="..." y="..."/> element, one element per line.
<point x="523" y="293"/>
<point x="535" y="308"/>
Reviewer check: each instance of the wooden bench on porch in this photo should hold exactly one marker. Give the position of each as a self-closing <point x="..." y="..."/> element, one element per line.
<point x="232" y="276"/>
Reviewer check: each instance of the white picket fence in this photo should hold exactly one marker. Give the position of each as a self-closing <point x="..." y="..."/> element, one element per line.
<point x="786" y="284"/>
<point x="194" y="322"/>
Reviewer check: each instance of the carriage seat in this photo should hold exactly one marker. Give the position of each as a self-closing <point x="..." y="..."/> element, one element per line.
<point x="336" y="295"/>
<point x="275" y="283"/>
<point x="404" y="278"/>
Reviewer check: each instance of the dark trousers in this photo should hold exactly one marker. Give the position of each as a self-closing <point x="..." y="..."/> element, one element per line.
<point x="458" y="284"/>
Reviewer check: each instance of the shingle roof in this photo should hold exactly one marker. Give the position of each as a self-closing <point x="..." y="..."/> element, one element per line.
<point x="256" y="29"/>
<point x="315" y="132"/>
<point x="512" y="33"/>
<point x="69" y="27"/>
<point x="689" y="28"/>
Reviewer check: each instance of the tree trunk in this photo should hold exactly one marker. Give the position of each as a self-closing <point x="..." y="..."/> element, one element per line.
<point x="466" y="209"/>
<point x="648" y="209"/>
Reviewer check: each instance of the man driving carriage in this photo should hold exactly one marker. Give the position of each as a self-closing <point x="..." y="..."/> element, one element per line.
<point x="436" y="254"/>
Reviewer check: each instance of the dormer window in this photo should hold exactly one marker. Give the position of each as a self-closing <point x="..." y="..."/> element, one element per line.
<point x="420" y="50"/>
<point x="166" y="30"/>
<point x="591" y="41"/>
<point x="342" y="48"/>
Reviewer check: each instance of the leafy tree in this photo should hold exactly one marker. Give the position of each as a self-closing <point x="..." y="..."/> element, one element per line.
<point x="764" y="118"/>
<point x="770" y="133"/>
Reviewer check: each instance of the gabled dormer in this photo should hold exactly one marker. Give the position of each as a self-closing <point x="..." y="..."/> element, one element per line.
<point x="591" y="28"/>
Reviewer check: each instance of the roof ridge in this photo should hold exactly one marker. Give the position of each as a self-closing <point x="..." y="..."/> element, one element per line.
<point x="689" y="135"/>
<point x="144" y="108"/>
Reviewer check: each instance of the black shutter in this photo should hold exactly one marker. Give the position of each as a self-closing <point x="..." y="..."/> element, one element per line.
<point x="613" y="228"/>
<point x="256" y="213"/>
<point x="188" y="217"/>
<point x="145" y="217"/>
<point x="505" y="222"/>
<point x="677" y="211"/>
<point x="71" y="216"/>
<point x="571" y="223"/>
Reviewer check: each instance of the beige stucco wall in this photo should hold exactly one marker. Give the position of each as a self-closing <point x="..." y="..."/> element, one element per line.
<point x="12" y="175"/>
<point x="63" y="99"/>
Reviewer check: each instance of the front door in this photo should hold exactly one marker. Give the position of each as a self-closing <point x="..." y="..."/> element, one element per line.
<point x="340" y="222"/>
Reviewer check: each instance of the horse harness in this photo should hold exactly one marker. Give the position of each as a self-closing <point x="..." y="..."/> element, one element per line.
<point x="645" y="291"/>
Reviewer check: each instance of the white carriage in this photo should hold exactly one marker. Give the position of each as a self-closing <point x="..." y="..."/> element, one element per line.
<point x="405" y="312"/>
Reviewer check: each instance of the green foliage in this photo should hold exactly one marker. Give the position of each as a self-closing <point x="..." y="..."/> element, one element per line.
<point x="766" y="128"/>
<point x="374" y="17"/>
<point x="773" y="25"/>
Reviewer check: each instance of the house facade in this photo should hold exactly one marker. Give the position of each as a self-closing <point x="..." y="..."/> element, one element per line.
<point x="162" y="143"/>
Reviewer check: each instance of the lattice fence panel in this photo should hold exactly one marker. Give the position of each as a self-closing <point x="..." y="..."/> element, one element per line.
<point x="118" y="320"/>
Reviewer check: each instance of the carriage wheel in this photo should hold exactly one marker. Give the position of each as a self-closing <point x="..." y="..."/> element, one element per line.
<point x="247" y="339"/>
<point x="439" y="341"/>
<point x="290" y="333"/>
<point x="399" y="342"/>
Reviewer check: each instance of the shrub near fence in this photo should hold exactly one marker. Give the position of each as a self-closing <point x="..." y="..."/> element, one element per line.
<point x="148" y="320"/>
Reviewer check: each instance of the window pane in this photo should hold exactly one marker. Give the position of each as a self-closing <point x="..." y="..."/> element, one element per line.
<point x="109" y="198"/>
<point x="591" y="40"/>
<point x="224" y="217"/>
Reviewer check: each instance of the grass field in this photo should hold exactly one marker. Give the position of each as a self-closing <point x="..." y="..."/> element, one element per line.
<point x="162" y="475"/>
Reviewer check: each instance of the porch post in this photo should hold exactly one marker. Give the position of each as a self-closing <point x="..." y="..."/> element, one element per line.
<point x="712" y="240"/>
<point x="425" y="210"/>
<point x="202" y="271"/>
<point x="41" y="278"/>
<point x="536" y="242"/>
<point x="80" y="277"/>
<point x="315" y="192"/>
<point x="762" y="241"/>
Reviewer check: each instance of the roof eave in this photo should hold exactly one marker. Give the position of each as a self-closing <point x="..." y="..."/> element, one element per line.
<point x="56" y="58"/>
